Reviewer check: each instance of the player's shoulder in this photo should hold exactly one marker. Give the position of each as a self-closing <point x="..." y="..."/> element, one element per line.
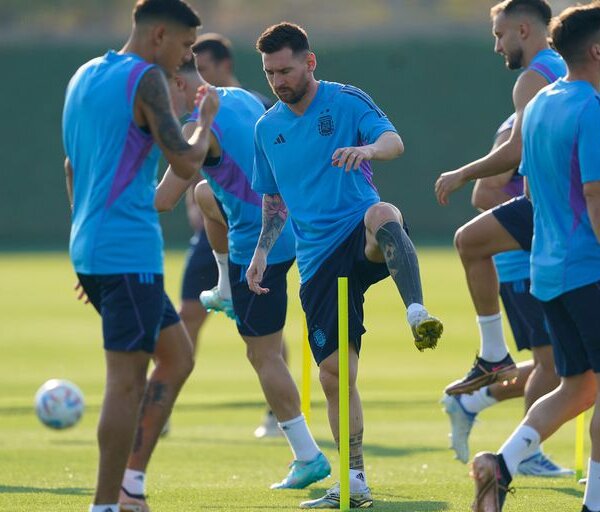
<point x="272" y="115"/>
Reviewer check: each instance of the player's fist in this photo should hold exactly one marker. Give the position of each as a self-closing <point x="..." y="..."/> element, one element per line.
<point x="255" y="272"/>
<point x="447" y="183"/>
<point x="207" y="101"/>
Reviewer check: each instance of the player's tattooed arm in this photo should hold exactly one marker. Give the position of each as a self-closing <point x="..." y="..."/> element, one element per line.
<point x="154" y="110"/>
<point x="274" y="216"/>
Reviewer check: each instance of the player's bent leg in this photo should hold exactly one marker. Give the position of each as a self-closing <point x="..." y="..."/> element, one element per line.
<point x="387" y="241"/>
<point x="543" y="377"/>
<point x="126" y="378"/>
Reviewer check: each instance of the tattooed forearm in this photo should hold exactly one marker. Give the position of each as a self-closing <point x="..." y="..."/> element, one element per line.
<point x="154" y="92"/>
<point x="274" y="215"/>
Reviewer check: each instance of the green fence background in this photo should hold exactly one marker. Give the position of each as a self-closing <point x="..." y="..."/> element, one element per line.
<point x="446" y="97"/>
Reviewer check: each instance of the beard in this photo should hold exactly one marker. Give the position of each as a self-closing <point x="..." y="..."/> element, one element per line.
<point x="291" y="96"/>
<point x="514" y="60"/>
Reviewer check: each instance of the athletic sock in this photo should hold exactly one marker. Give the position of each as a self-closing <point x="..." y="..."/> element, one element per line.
<point x="401" y="259"/>
<point x="493" y="347"/>
<point x="358" y="480"/>
<point x="223" y="285"/>
<point x="591" y="499"/>
<point x="300" y="439"/>
<point x="134" y="481"/>
<point x="523" y="443"/>
<point x="104" y="508"/>
<point x="478" y="400"/>
<point x="415" y="312"/>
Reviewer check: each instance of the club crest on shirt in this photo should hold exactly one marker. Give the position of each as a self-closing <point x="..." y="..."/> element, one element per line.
<point x="326" y="125"/>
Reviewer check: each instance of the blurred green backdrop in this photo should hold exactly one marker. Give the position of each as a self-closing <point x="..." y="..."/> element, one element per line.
<point x="445" y="95"/>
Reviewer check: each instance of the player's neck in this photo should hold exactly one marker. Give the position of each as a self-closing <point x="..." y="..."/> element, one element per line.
<point x="585" y="73"/>
<point x="533" y="50"/>
<point x="136" y="46"/>
<point x="232" y="81"/>
<point x="302" y="106"/>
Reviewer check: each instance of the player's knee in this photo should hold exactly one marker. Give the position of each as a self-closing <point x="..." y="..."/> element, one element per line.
<point x="381" y="213"/>
<point x="463" y="241"/>
<point x="202" y="194"/>
<point x="329" y="378"/>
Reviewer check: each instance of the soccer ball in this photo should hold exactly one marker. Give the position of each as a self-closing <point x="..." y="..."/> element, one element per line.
<point x="59" y="404"/>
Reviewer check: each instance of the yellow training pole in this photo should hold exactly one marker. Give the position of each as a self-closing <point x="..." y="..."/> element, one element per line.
<point x="579" y="443"/>
<point x="306" y="367"/>
<point x="344" y="398"/>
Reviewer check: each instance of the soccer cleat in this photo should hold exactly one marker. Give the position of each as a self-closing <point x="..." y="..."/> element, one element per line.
<point x="461" y="423"/>
<point x="491" y="485"/>
<point x="540" y="465"/>
<point x="212" y="301"/>
<point x="331" y="499"/>
<point x="129" y="502"/>
<point x="483" y="373"/>
<point x="426" y="330"/>
<point x="269" y="427"/>
<point x="582" y="481"/>
<point x="304" y="473"/>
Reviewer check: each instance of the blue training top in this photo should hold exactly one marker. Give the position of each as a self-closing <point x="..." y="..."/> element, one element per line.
<point x="293" y="158"/>
<point x="561" y="152"/>
<point x="515" y="265"/>
<point x="230" y="177"/>
<point x="115" y="227"/>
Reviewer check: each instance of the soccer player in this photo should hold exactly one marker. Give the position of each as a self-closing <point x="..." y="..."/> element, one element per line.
<point x="561" y="162"/>
<point x="536" y="377"/>
<point x="520" y="28"/>
<point x="260" y="320"/>
<point x="117" y="118"/>
<point x="313" y="159"/>
<point x="205" y="283"/>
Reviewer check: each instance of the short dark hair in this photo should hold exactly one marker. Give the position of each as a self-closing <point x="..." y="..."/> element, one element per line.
<point x="177" y="11"/>
<point x="283" y="35"/>
<point x="189" y="66"/>
<point x="219" y="47"/>
<point x="538" y="8"/>
<point x="573" y="30"/>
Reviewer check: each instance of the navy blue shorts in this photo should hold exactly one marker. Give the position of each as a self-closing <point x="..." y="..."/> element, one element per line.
<point x="260" y="315"/>
<point x="516" y="216"/>
<point x="525" y="315"/>
<point x="200" y="272"/>
<point x="319" y="295"/>
<point x="575" y="330"/>
<point x="134" y="309"/>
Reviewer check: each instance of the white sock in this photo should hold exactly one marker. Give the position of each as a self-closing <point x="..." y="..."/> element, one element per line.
<point x="414" y="312"/>
<point x="223" y="285"/>
<point x="493" y="347"/>
<point x="478" y="400"/>
<point x="134" y="481"/>
<point x="299" y="438"/>
<point x="104" y="508"/>
<point x="591" y="499"/>
<point x="358" y="480"/>
<point x="523" y="443"/>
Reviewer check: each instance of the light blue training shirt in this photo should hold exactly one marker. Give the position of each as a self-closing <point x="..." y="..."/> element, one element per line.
<point x="115" y="227"/>
<point x="561" y="152"/>
<point x="293" y="158"/>
<point x="230" y="177"/>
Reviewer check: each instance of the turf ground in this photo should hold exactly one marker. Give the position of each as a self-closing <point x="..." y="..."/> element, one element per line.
<point x="211" y="461"/>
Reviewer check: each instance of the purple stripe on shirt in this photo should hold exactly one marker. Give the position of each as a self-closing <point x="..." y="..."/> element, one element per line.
<point x="230" y="177"/>
<point x="135" y="73"/>
<point x="136" y="149"/>
<point x="514" y="187"/>
<point x="576" y="198"/>
<point x="545" y="71"/>
<point x="367" y="172"/>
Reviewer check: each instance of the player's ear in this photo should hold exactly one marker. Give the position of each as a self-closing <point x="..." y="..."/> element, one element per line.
<point x="158" y="33"/>
<point x="595" y="51"/>
<point x="524" y="30"/>
<point x="311" y="62"/>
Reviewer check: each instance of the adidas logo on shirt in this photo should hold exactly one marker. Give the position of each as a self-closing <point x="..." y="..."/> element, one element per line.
<point x="280" y="139"/>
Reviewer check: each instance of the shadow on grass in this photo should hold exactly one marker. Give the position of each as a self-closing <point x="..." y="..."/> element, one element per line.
<point x="379" y="450"/>
<point x="73" y="442"/>
<point x="19" y="489"/>
<point x="570" y="491"/>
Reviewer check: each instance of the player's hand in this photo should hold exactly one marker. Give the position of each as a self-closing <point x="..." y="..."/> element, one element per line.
<point x="447" y="183"/>
<point x="207" y="101"/>
<point x="81" y="295"/>
<point x="255" y="273"/>
<point x="351" y="157"/>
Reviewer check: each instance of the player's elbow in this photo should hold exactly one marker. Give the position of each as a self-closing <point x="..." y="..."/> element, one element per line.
<point x="163" y="204"/>
<point x="397" y="146"/>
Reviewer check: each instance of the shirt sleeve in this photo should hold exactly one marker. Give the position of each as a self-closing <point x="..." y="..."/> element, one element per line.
<point x="372" y="121"/>
<point x="263" y="181"/>
<point x="589" y="141"/>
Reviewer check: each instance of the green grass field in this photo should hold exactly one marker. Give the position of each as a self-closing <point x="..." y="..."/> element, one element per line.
<point x="211" y="461"/>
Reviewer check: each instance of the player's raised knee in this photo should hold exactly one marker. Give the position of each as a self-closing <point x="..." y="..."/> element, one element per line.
<point x="381" y="213"/>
